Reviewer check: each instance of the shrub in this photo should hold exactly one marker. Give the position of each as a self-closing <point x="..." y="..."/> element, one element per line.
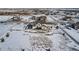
<point x="2" y="39"/>
<point x="22" y="49"/>
<point x="7" y="35"/>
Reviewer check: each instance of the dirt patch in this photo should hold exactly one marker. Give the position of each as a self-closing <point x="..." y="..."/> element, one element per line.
<point x="41" y="43"/>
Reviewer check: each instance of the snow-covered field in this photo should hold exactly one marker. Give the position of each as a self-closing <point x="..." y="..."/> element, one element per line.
<point x="4" y="18"/>
<point x="20" y="40"/>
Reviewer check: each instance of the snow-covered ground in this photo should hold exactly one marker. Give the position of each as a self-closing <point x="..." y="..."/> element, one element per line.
<point x="5" y="27"/>
<point x="20" y="40"/>
<point x="5" y="18"/>
<point x="16" y="42"/>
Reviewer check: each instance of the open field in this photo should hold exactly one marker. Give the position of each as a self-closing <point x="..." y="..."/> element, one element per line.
<point x="39" y="30"/>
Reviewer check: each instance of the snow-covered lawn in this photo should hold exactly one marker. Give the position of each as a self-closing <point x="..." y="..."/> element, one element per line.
<point x="5" y="27"/>
<point x="16" y="41"/>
